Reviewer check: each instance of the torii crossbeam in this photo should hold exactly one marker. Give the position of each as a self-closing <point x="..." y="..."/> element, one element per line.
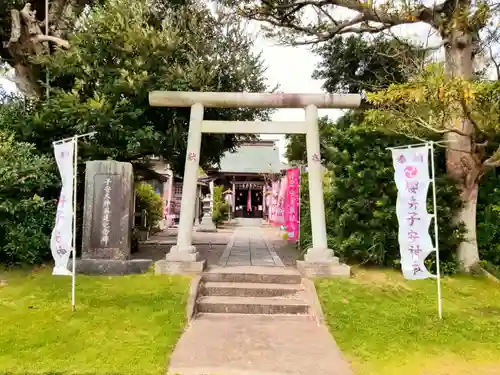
<point x="319" y="259"/>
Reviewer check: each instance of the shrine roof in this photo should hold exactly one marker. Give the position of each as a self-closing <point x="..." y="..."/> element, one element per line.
<point x="259" y="157"/>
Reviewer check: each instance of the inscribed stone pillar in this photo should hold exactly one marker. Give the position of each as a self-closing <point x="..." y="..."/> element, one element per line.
<point x="183" y="257"/>
<point x="197" y="207"/>
<point x="319" y="250"/>
<point x="108" y="210"/>
<point x="319" y="260"/>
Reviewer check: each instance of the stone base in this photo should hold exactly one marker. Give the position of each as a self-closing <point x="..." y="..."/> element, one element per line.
<point x="183" y="254"/>
<point x="323" y="269"/>
<point x="170" y="267"/>
<point x="206" y="225"/>
<point x="202" y="228"/>
<point x="111" y="267"/>
<point x="320" y="255"/>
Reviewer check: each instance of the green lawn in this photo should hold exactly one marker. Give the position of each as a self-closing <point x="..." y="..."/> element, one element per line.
<point x="123" y="325"/>
<point x="388" y="326"/>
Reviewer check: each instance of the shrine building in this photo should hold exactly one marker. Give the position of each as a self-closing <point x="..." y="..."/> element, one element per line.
<point x="243" y="174"/>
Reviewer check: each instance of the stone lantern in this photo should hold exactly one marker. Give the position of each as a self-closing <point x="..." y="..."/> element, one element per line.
<point x="207" y="224"/>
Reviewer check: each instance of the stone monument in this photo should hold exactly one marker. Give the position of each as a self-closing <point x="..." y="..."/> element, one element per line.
<point x="108" y="220"/>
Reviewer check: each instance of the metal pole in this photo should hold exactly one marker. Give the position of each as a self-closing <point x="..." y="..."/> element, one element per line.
<point x="47" y="33"/>
<point x="300" y="192"/>
<point x="91" y="134"/>
<point x="436" y="237"/>
<point x="74" y="139"/>
<point x="75" y="176"/>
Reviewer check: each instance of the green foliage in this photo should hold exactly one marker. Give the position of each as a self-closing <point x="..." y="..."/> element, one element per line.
<point x="125" y="49"/>
<point x="26" y="219"/>
<point x="431" y="102"/>
<point x="360" y="204"/>
<point x="488" y="219"/>
<point x="149" y="201"/>
<point x="354" y="63"/>
<point x="220" y="207"/>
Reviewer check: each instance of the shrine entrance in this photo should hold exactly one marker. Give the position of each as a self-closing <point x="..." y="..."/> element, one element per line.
<point x="248" y="200"/>
<point x="319" y="256"/>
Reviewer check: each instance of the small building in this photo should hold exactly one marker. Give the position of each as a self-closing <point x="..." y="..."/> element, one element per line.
<point x="169" y="186"/>
<point x="244" y="173"/>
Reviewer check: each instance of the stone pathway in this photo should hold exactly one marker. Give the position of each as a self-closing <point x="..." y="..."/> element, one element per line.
<point x="228" y="343"/>
<point x="237" y="344"/>
<point x="248" y="246"/>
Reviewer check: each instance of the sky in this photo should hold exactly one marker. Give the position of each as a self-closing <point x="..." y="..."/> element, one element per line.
<point x="291" y="68"/>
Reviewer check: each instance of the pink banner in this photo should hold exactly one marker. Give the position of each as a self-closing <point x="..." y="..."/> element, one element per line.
<point x="291" y="204"/>
<point x="276" y="209"/>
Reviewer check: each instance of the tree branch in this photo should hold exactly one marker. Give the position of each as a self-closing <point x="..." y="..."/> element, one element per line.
<point x="403" y="113"/>
<point x="426" y="125"/>
<point x="493" y="161"/>
<point x="15" y="33"/>
<point x="54" y="39"/>
<point x="494" y="62"/>
<point x="288" y="15"/>
<point x="468" y="114"/>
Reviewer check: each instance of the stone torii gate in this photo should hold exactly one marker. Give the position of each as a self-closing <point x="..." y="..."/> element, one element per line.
<point x="319" y="259"/>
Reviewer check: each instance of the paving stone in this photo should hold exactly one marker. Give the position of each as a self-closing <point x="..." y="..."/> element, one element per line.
<point x="257" y="345"/>
<point x="248" y="247"/>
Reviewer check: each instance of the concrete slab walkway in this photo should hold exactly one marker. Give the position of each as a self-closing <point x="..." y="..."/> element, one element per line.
<point x="248" y="246"/>
<point x="257" y="345"/>
<point x="218" y="343"/>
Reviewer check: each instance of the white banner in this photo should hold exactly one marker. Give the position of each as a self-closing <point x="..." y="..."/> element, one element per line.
<point x="62" y="234"/>
<point x="411" y="166"/>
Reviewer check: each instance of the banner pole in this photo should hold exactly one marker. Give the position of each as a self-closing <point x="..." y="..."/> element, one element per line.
<point x="47" y="34"/>
<point x="300" y="201"/>
<point x="436" y="236"/>
<point x="75" y="175"/>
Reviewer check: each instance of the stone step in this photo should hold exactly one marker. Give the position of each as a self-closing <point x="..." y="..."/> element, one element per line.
<point x="248" y="289"/>
<point x="253" y="274"/>
<point x="260" y="317"/>
<point x="251" y="305"/>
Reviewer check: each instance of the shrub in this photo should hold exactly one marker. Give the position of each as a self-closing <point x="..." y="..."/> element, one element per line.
<point x="488" y="219"/>
<point x="26" y="219"/>
<point x="360" y="204"/>
<point x="149" y="201"/>
<point x="220" y="207"/>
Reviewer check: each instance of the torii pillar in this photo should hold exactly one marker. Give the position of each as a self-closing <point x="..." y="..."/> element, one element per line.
<point x="319" y="260"/>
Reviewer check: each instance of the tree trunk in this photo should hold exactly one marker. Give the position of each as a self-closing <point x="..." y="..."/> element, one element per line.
<point x="467" y="253"/>
<point x="27" y="40"/>
<point x="26" y="81"/>
<point x="460" y="162"/>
